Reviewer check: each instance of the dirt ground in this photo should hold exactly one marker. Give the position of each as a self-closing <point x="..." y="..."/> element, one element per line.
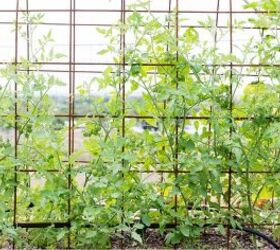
<point x="208" y="240"/>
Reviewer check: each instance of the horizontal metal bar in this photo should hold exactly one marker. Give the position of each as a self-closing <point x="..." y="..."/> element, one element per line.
<point x="188" y="171"/>
<point x="141" y="11"/>
<point x="35" y="171"/>
<point x="143" y="64"/>
<point x="101" y="72"/>
<point x="43" y="224"/>
<point x="171" y="225"/>
<point x="155" y="117"/>
<point x="111" y="25"/>
<point x="162" y="171"/>
<point x="68" y="225"/>
<point x="134" y="117"/>
<point x="149" y="117"/>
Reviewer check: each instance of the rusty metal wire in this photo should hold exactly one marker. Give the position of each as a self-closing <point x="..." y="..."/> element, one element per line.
<point x="71" y="116"/>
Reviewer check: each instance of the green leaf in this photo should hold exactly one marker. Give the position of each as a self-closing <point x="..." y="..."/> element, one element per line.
<point x="59" y="55"/>
<point x="190" y="144"/>
<point x="135" y="18"/>
<point x="146" y="219"/>
<point x="134" y="85"/>
<point x="135" y="69"/>
<point x="91" y="234"/>
<point x="173" y="238"/>
<point x="191" y="35"/>
<point x="136" y="237"/>
<point x="185" y="230"/>
<point x="221" y="229"/>
<point x="11" y="231"/>
<point x="186" y="144"/>
<point x="60" y="235"/>
<point x="101" y="31"/>
<point x="252" y="5"/>
<point x="103" y="52"/>
<point x="49" y="35"/>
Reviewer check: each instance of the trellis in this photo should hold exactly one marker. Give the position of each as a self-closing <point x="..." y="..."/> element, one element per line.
<point x="72" y="64"/>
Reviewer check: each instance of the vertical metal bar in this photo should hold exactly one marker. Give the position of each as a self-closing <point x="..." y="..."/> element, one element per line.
<point x="177" y="85"/>
<point x="28" y="43"/>
<point x="217" y="22"/>
<point x="122" y="88"/>
<point x="70" y="118"/>
<point x="16" y="117"/>
<point x="230" y="130"/>
<point x="73" y="71"/>
<point x="28" y="184"/>
<point x="120" y="66"/>
<point x="70" y="85"/>
<point x="211" y="107"/>
<point x="123" y="70"/>
<point x="74" y="74"/>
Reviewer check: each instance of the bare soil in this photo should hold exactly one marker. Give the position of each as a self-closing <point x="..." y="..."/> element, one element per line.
<point x="208" y="240"/>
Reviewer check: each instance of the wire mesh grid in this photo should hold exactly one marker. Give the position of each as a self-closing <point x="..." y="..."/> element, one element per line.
<point x="78" y="66"/>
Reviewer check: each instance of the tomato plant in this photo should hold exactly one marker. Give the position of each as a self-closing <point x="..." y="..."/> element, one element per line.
<point x="181" y="136"/>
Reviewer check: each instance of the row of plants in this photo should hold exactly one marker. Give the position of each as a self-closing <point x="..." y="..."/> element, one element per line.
<point x="182" y="136"/>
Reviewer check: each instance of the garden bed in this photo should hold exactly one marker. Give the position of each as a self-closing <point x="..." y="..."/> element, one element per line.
<point x="210" y="239"/>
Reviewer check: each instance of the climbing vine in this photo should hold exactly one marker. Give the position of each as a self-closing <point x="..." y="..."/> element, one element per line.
<point x="181" y="136"/>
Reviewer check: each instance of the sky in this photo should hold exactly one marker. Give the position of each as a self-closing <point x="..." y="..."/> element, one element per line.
<point x="89" y="42"/>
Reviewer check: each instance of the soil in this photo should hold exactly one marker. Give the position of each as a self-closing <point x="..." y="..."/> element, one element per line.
<point x="208" y="240"/>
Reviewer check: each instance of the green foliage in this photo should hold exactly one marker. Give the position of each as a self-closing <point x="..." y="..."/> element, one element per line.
<point x="193" y="121"/>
